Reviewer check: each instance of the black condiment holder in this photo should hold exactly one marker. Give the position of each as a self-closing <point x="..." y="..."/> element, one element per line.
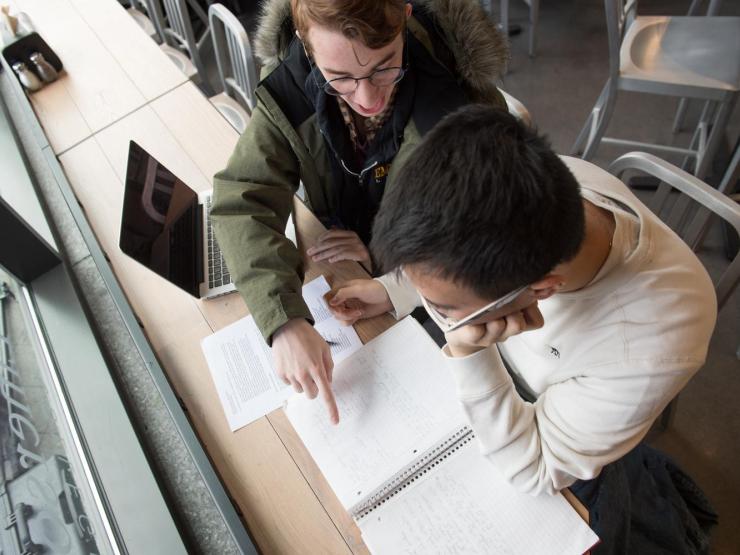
<point x="21" y="49"/>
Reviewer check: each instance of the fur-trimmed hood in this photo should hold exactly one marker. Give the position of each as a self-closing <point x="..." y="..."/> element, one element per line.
<point x="480" y="49"/>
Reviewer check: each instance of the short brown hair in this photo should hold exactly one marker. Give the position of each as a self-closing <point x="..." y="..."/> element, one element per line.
<point x="375" y="23"/>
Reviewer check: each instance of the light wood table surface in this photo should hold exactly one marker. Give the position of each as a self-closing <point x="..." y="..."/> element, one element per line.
<point x="111" y="67"/>
<point x="280" y="492"/>
<point x="119" y="87"/>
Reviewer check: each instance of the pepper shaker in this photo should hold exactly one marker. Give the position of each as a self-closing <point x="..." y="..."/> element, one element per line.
<point x="45" y="70"/>
<point x="27" y="77"/>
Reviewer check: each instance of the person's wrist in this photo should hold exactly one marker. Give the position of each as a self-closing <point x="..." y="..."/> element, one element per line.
<point x="380" y="293"/>
<point x="458" y="350"/>
<point x="290" y="325"/>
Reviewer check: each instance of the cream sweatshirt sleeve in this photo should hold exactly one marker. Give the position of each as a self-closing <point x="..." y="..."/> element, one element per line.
<point x="403" y="295"/>
<point x="574" y="428"/>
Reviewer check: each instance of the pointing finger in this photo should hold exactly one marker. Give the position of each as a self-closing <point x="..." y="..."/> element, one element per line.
<point x="327" y="394"/>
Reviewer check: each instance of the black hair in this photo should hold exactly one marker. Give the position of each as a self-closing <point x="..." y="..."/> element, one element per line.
<point x="484" y="201"/>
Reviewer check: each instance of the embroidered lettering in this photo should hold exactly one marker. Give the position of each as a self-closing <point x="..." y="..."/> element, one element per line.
<point x="380" y="172"/>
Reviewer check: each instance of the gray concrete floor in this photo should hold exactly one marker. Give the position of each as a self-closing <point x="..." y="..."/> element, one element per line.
<point x="559" y="87"/>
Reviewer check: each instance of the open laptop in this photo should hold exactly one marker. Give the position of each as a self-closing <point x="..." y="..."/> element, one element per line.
<point x="166" y="226"/>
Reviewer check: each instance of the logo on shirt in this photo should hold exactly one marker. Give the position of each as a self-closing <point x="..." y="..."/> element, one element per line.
<point x="553" y="351"/>
<point x="380" y="173"/>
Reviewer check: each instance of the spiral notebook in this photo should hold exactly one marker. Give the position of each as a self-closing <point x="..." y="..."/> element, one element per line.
<point x="406" y="466"/>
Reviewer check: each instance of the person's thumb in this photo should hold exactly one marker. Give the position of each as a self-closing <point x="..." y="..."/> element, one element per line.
<point x="343" y="294"/>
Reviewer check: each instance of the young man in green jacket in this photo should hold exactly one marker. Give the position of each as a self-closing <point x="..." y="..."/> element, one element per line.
<point x="349" y="87"/>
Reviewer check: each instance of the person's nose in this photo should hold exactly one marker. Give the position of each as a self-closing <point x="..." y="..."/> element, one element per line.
<point x="367" y="94"/>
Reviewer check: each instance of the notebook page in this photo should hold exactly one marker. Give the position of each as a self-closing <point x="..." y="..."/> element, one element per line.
<point x="396" y="399"/>
<point x="463" y="506"/>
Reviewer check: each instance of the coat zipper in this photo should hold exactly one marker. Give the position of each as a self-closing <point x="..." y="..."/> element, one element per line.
<point x="360" y="175"/>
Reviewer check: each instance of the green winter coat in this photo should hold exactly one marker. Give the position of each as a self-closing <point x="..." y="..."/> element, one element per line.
<point x="281" y="147"/>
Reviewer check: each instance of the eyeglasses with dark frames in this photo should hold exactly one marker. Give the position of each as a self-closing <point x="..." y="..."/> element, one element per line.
<point x="384" y="77"/>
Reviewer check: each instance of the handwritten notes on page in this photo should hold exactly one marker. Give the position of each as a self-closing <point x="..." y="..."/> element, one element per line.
<point x="463" y="505"/>
<point x="395" y="398"/>
<point x="241" y="362"/>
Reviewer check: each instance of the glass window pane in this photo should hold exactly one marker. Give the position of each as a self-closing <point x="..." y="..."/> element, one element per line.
<point x="44" y="493"/>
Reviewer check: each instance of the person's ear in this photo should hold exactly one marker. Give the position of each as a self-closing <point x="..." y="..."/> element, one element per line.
<point x="409" y="9"/>
<point x="547" y="286"/>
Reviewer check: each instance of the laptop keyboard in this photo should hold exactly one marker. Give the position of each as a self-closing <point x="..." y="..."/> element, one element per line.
<point x="218" y="273"/>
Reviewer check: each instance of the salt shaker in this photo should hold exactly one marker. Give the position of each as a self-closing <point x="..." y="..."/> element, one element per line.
<point x="45" y="70"/>
<point x="27" y="77"/>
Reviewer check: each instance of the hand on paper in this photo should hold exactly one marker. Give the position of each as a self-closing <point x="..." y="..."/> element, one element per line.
<point x="303" y="360"/>
<point x="475" y="337"/>
<point x="358" y="299"/>
<point x="339" y="244"/>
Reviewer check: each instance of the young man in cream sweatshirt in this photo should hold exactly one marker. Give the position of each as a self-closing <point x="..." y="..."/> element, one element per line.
<point x="603" y="315"/>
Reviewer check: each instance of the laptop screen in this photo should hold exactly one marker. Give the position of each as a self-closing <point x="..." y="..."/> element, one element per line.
<point x="160" y="224"/>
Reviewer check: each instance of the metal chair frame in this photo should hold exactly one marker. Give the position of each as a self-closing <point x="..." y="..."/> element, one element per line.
<point x="172" y="21"/>
<point x="139" y="10"/>
<point x="690" y="227"/>
<point x="712" y="10"/>
<point x="236" y="66"/>
<point x="707" y="137"/>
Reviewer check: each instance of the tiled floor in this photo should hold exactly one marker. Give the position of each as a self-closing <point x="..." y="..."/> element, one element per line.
<point x="559" y="86"/>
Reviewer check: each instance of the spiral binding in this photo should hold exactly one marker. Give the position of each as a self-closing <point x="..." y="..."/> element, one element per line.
<point x="413" y="472"/>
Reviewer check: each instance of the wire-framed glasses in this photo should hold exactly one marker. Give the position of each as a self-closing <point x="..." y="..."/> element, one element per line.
<point x="384" y="77"/>
<point x="447" y="324"/>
